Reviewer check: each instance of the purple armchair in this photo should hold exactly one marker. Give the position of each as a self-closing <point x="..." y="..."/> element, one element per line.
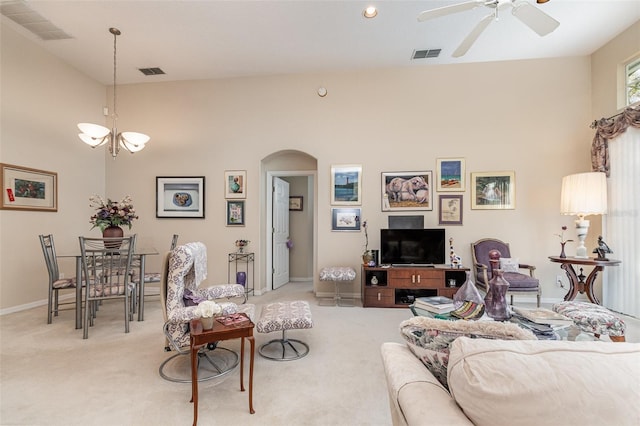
<point x="519" y="283"/>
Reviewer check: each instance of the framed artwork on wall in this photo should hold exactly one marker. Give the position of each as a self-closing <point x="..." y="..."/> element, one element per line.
<point x="180" y="197"/>
<point x="295" y="203"/>
<point x="235" y="184"/>
<point x="235" y="213"/>
<point x="24" y="188"/>
<point x="346" y="184"/>
<point x="493" y="190"/>
<point x="451" y="174"/>
<point x="407" y="191"/>
<point x="450" y="210"/>
<point x="345" y="219"/>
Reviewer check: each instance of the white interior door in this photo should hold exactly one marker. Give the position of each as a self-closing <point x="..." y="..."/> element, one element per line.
<point x="280" y="232"/>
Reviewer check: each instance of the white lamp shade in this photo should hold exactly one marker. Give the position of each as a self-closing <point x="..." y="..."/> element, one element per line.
<point x="135" y="138"/>
<point x="584" y="194"/>
<point x="131" y="147"/>
<point x="90" y="140"/>
<point x="94" y="130"/>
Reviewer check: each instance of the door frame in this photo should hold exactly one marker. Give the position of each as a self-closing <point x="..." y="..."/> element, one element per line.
<point x="313" y="199"/>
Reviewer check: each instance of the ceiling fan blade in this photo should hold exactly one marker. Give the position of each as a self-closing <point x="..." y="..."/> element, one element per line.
<point x="534" y="18"/>
<point x="447" y="10"/>
<point x="473" y="36"/>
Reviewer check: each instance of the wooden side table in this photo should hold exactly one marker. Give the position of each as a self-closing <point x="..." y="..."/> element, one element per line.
<point x="200" y="338"/>
<point x="577" y="281"/>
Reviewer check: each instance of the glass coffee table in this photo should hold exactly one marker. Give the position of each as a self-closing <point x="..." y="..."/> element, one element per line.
<point x="543" y="332"/>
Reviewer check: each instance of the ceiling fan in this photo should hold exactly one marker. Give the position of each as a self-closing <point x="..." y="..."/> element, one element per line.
<point x="530" y="15"/>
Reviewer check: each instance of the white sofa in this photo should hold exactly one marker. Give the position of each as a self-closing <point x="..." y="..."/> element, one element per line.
<point x="517" y="382"/>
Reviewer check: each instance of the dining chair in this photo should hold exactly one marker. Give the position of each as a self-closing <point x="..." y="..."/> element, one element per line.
<point x="106" y="265"/>
<point x="149" y="277"/>
<point x="55" y="282"/>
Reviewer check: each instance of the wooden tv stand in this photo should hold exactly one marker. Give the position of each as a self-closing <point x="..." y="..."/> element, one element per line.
<point x="398" y="287"/>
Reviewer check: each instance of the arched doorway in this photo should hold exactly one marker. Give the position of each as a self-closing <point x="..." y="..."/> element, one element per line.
<point x="300" y="171"/>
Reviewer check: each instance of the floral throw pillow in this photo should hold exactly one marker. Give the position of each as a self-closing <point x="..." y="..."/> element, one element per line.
<point x="429" y="338"/>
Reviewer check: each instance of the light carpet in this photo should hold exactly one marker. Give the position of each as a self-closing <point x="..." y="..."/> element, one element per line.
<point x="51" y="376"/>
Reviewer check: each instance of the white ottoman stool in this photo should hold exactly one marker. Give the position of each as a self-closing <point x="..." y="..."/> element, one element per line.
<point x="337" y="274"/>
<point x="283" y="316"/>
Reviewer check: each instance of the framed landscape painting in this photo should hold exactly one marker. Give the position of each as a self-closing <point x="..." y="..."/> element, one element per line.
<point x="450" y="174"/>
<point x="407" y="191"/>
<point x="346" y="185"/>
<point x="493" y="190"/>
<point x="180" y="197"/>
<point x="24" y="188"/>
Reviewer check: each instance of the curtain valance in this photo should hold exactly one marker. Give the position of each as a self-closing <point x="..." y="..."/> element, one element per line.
<point x="609" y="128"/>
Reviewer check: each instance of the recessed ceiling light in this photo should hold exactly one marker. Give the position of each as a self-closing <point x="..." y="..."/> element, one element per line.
<point x="370" y="12"/>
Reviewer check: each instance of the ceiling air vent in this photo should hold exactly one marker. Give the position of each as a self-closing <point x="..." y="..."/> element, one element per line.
<point x="425" y="54"/>
<point x="22" y="14"/>
<point x="151" y="71"/>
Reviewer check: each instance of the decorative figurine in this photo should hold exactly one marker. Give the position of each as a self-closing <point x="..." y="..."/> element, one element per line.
<point x="602" y="249"/>
<point x="456" y="261"/>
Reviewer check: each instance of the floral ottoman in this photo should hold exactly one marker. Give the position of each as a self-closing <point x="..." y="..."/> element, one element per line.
<point x="592" y="318"/>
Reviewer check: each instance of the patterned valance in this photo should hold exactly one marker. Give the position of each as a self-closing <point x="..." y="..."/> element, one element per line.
<point x="609" y="128"/>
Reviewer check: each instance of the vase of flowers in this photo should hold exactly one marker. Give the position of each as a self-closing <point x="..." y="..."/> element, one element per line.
<point x="563" y="242"/>
<point x="111" y="215"/>
<point x="241" y="244"/>
<point x="207" y="311"/>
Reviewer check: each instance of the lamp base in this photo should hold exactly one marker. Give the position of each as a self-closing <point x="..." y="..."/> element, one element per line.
<point x="582" y="227"/>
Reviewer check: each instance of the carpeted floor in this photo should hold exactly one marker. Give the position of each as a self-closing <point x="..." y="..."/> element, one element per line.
<point x="51" y="376"/>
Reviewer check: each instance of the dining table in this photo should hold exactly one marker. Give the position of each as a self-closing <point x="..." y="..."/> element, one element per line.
<point x="140" y="253"/>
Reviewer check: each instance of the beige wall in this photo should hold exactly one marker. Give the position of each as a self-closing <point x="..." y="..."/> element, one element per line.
<point x="528" y="116"/>
<point x="607" y="70"/>
<point x="42" y="100"/>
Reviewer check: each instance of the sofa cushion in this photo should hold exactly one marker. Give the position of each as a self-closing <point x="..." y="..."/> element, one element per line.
<point x="546" y="382"/>
<point x="429" y="338"/>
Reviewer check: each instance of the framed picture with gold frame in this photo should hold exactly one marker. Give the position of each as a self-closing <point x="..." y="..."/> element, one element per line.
<point x="24" y="188"/>
<point x="493" y="190"/>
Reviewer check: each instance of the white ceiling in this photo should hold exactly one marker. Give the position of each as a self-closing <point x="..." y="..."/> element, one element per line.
<point x="215" y="39"/>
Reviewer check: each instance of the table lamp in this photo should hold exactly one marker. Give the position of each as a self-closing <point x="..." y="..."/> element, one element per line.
<point x="583" y="194"/>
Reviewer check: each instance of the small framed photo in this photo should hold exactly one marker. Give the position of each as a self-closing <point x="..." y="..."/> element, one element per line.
<point x="235" y="213"/>
<point x="450" y="210"/>
<point x="407" y="191"/>
<point x="295" y="203"/>
<point x="345" y="219"/>
<point x="346" y="185"/>
<point x="24" y="188"/>
<point x="180" y="197"/>
<point x="450" y="174"/>
<point x="235" y="184"/>
<point x="493" y="190"/>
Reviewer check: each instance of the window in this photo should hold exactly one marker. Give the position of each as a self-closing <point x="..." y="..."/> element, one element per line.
<point x="632" y="81"/>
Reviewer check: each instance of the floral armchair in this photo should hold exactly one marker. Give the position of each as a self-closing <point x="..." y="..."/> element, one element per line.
<point x="184" y="269"/>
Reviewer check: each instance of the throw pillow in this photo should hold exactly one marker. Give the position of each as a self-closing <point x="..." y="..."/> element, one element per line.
<point x="429" y="338"/>
<point x="509" y="264"/>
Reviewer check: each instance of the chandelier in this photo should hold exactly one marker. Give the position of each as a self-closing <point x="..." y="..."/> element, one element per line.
<point x="95" y="135"/>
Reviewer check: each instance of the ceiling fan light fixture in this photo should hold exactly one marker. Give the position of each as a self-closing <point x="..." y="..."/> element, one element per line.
<point x="370" y="12"/>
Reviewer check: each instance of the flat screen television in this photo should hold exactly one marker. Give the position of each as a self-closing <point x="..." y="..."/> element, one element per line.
<point x="412" y="246"/>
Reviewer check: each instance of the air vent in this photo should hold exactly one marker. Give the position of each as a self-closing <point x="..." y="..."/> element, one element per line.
<point x="23" y="15"/>
<point x="425" y="54"/>
<point x="151" y="71"/>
